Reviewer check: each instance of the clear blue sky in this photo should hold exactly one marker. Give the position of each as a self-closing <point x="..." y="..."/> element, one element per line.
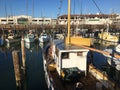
<point x="50" y="8"/>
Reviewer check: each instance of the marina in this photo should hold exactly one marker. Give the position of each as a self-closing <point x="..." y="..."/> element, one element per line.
<point x="76" y="50"/>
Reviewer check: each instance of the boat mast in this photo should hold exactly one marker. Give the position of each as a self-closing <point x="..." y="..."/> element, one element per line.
<point x="69" y="21"/>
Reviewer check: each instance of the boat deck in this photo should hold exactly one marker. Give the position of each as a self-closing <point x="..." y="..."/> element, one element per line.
<point x="86" y="83"/>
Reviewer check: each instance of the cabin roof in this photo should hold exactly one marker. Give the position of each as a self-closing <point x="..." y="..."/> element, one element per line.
<point x="62" y="46"/>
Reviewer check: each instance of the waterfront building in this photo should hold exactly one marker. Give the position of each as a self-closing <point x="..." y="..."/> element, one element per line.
<point x="76" y="19"/>
<point x="23" y="19"/>
<point x="89" y="19"/>
<point x="116" y="19"/>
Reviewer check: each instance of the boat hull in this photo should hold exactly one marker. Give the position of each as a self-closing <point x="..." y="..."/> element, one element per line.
<point x="29" y="40"/>
<point x="106" y="36"/>
<point x="43" y="39"/>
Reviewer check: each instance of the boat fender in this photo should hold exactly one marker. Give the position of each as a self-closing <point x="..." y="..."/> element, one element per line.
<point x="62" y="74"/>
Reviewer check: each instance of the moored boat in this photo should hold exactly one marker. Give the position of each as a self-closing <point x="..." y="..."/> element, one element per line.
<point x="29" y="38"/>
<point x="108" y="37"/>
<point x="66" y="68"/>
<point x="44" y="37"/>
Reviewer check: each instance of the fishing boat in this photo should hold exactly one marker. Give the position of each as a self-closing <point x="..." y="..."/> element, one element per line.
<point x="44" y="37"/>
<point x="66" y="67"/>
<point x="106" y="36"/>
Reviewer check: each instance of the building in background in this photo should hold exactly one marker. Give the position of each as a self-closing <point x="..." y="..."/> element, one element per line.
<point x="87" y="19"/>
<point x="22" y="19"/>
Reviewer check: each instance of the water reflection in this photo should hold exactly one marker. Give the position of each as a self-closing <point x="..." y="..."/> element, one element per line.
<point x="34" y="61"/>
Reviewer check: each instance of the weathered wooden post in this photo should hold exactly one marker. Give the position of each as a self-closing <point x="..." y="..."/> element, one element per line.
<point x="16" y="63"/>
<point x="23" y="55"/>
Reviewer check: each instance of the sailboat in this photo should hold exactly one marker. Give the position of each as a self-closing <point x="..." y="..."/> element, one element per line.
<point x="66" y="67"/>
<point x="106" y="36"/>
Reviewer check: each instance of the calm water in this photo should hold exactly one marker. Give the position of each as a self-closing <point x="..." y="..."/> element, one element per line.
<point x="34" y="61"/>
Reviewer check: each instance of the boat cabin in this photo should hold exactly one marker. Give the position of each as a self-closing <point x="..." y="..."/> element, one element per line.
<point x="71" y="62"/>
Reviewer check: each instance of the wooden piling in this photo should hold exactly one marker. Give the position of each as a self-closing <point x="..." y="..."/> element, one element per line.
<point x="16" y="63"/>
<point x="23" y="55"/>
<point x="24" y="70"/>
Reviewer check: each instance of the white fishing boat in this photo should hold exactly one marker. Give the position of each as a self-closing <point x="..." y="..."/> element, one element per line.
<point x="66" y="68"/>
<point x="64" y="64"/>
<point x="44" y="38"/>
<point x="29" y="38"/>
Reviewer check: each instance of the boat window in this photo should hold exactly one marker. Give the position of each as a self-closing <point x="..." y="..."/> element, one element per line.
<point x="79" y="53"/>
<point x="65" y="55"/>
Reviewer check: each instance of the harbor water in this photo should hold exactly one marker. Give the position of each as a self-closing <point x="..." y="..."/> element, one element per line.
<point x="34" y="61"/>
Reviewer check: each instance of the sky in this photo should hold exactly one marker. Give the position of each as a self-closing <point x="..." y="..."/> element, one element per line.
<point x="53" y="8"/>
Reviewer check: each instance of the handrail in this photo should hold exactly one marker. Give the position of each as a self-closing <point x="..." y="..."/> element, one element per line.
<point x="102" y="52"/>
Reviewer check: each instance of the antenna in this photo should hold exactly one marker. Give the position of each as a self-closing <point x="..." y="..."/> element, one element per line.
<point x="27" y="7"/>
<point x="33" y="8"/>
<point x="5" y="10"/>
